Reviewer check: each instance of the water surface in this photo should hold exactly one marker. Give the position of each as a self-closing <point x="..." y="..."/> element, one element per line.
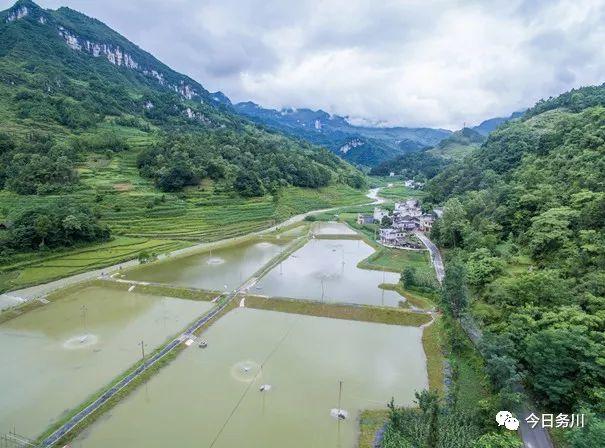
<point x="302" y="358"/>
<point x="54" y="357"/>
<point x="228" y="266"/>
<point x="332" y="228"/>
<point x="327" y="270"/>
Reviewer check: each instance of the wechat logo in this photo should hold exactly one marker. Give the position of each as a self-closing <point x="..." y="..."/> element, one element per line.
<point x="506" y="419"/>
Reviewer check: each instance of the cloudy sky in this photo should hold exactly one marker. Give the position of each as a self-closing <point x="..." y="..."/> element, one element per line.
<point x="404" y="62"/>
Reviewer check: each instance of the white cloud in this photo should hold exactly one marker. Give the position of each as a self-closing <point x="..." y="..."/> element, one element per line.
<point x="411" y="62"/>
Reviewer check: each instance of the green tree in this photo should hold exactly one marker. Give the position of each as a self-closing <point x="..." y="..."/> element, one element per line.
<point x="430" y="406"/>
<point x="454" y="294"/>
<point x="453" y="225"/>
<point x="562" y="363"/>
<point x="498" y="440"/>
<point x="408" y="276"/>
<point x="550" y="232"/>
<point x="592" y="435"/>
<point x="247" y="184"/>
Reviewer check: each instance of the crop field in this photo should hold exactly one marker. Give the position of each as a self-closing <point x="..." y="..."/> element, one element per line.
<point x="400" y="192"/>
<point x="393" y="260"/>
<point x="27" y="269"/>
<point x="143" y="218"/>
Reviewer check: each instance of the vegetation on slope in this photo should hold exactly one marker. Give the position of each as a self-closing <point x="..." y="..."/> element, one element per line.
<point x="426" y="164"/>
<point x="89" y="118"/>
<point x="526" y="215"/>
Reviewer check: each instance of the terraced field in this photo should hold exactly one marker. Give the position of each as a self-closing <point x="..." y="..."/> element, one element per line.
<point x="27" y="270"/>
<point x="143" y="218"/>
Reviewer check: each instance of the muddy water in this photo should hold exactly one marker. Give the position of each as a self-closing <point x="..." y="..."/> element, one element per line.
<point x="327" y="270"/>
<point x="332" y="228"/>
<point x="54" y="357"/>
<point x="229" y="266"/>
<point x="189" y="403"/>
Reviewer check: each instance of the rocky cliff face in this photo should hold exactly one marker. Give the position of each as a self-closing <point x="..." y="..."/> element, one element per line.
<point x="112" y="52"/>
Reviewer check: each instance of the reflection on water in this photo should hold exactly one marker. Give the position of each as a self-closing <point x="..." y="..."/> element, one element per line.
<point x="57" y="355"/>
<point x="332" y="228"/>
<point x="224" y="267"/>
<point x="303" y="360"/>
<point x="327" y="270"/>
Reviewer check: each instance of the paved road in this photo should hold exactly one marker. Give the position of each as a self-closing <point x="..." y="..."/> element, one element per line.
<point x="435" y="255"/>
<point x="18" y="297"/>
<point x="536" y="437"/>
<point x="117" y="387"/>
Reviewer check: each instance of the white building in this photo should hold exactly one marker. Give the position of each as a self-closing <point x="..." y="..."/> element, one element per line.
<point x="409" y="207"/>
<point x="380" y="213"/>
<point x="391" y="237"/>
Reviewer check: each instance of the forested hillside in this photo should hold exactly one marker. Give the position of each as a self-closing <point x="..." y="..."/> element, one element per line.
<point x="77" y="101"/>
<point x="427" y="163"/>
<point x="525" y="218"/>
<point x="362" y="145"/>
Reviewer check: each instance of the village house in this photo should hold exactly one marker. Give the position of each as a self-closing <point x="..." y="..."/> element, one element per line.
<point x="364" y="219"/>
<point x="426" y="223"/>
<point x="409" y="207"/>
<point x="380" y="213"/>
<point x="413" y="184"/>
<point x="406" y="219"/>
<point x="391" y="237"/>
<point x="406" y="224"/>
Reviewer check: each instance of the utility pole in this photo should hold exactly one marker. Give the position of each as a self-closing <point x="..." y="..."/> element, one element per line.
<point x="84" y="309"/>
<point x="322" y="290"/>
<point x="142" y="350"/>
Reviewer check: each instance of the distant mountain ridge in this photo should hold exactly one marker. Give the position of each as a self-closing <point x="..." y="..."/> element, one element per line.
<point x="362" y="145"/>
<point x="487" y="126"/>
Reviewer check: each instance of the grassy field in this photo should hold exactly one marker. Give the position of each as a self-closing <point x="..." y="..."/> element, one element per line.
<point x="394" y="260"/>
<point x="370" y="422"/>
<point x="391" y="316"/>
<point x="30" y="269"/>
<point x="143" y="218"/>
<point x="432" y="341"/>
<point x="162" y="290"/>
<point x="400" y="192"/>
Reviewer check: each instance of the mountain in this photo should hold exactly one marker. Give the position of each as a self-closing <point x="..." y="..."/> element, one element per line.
<point x="487" y="126"/>
<point x="99" y="139"/>
<point x="459" y="144"/>
<point x="427" y="163"/>
<point x="82" y="84"/>
<point x="361" y="145"/>
<point x="525" y="215"/>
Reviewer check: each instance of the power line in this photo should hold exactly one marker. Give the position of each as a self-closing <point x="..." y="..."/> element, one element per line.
<point x="239" y="402"/>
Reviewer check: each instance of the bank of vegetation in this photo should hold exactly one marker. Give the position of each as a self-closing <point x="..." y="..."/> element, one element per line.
<point x="523" y="225"/>
<point x="391" y="316"/>
<point x="106" y="151"/>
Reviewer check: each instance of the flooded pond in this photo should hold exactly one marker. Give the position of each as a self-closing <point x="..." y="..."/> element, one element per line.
<point x="228" y="266"/>
<point x="332" y="228"/>
<point x="54" y="357"/>
<point x="327" y="270"/>
<point x="211" y="397"/>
